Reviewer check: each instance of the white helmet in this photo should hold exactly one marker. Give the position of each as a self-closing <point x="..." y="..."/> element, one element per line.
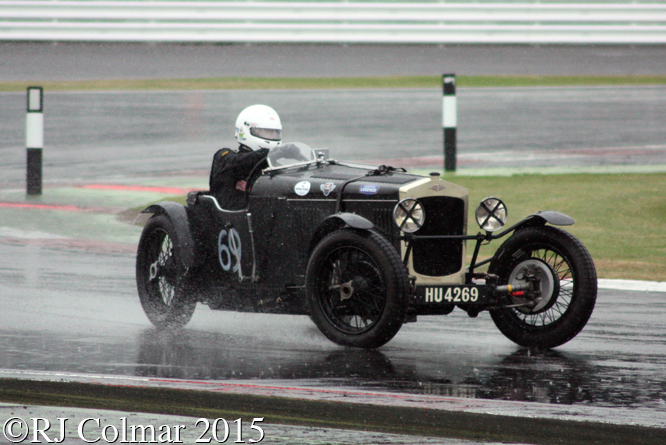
<point x="259" y="126"/>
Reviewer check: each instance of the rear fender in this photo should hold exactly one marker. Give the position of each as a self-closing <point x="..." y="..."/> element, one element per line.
<point x="178" y="216"/>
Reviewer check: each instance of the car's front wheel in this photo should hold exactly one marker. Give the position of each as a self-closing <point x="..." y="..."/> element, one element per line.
<point x="568" y="286"/>
<point x="161" y="276"/>
<point x="357" y="288"/>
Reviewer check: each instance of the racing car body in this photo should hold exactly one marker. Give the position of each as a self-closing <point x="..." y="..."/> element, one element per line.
<point x="361" y="250"/>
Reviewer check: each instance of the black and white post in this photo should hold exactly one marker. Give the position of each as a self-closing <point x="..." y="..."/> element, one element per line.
<point x="449" y="121"/>
<point x="34" y="140"/>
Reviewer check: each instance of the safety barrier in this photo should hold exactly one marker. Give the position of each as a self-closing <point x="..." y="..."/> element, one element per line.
<point x="433" y="22"/>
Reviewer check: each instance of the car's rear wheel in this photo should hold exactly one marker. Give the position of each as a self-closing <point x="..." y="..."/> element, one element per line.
<point x="357" y="288"/>
<point x="161" y="276"/>
<point x="568" y="286"/>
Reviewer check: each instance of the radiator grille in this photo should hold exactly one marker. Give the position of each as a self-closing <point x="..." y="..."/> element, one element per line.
<point x="383" y="220"/>
<point x="444" y="216"/>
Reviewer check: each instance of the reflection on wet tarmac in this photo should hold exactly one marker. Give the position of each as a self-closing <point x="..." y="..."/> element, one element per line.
<point x="550" y="376"/>
<point x="180" y="355"/>
<point x="93" y="323"/>
<point x="531" y="376"/>
<point x="541" y="376"/>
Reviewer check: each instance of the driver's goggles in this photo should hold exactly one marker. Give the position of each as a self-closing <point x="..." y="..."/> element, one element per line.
<point x="270" y="134"/>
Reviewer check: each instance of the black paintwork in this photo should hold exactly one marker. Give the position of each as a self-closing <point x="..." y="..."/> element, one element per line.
<point x="256" y="259"/>
<point x="287" y="226"/>
<point x="284" y="222"/>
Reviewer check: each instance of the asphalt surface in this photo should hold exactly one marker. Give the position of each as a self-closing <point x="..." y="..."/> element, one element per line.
<point x="517" y="128"/>
<point x="90" y="61"/>
<point x="96" y="135"/>
<point x="67" y="283"/>
<point x="76" y="311"/>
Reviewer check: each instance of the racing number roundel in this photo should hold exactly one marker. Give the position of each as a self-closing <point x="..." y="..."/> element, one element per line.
<point x="229" y="250"/>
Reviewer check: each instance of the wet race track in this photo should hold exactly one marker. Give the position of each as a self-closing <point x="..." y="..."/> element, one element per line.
<point x="67" y="264"/>
<point x="98" y="135"/>
<point x="74" y="309"/>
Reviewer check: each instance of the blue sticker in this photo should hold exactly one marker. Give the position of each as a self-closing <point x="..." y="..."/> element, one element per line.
<point x="369" y="189"/>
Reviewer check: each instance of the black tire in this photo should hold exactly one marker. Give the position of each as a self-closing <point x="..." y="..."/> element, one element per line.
<point x="357" y="288"/>
<point x="570" y="305"/>
<point x="165" y="298"/>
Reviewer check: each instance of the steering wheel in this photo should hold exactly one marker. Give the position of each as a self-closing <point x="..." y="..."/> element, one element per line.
<point x="248" y="187"/>
<point x="289" y="151"/>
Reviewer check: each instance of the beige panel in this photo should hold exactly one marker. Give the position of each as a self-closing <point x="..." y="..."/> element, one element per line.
<point x="434" y="186"/>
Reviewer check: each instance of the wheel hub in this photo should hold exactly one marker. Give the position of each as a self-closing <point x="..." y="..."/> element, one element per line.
<point x="154" y="269"/>
<point x="346" y="290"/>
<point x="545" y="282"/>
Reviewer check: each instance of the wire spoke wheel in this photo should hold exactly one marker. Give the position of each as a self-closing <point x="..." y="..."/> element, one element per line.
<point x="160" y="276"/>
<point x="352" y="288"/>
<point x="560" y="315"/>
<point x="560" y="302"/>
<point x="161" y="281"/>
<point x="357" y="288"/>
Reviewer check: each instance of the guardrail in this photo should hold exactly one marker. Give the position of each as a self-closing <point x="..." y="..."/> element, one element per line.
<point x="532" y="22"/>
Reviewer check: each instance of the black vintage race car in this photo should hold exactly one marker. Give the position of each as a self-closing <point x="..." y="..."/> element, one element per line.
<point x="362" y="250"/>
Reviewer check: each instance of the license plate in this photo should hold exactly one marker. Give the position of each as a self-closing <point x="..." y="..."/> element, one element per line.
<point x="469" y="294"/>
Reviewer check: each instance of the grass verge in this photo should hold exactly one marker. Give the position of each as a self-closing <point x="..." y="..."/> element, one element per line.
<point x="619" y="217"/>
<point x="278" y="410"/>
<point x="262" y="83"/>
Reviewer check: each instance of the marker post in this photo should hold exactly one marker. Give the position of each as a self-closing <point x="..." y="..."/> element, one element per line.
<point x="449" y="121"/>
<point x="34" y="140"/>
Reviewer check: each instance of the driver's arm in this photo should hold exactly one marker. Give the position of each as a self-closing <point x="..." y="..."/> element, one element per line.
<point x="242" y="164"/>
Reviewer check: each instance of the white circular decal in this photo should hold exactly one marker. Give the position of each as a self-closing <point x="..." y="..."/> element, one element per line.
<point x="302" y="188"/>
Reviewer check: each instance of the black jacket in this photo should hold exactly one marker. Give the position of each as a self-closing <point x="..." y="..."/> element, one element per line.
<point x="229" y="172"/>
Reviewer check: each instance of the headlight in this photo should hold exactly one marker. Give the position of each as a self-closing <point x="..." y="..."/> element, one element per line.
<point x="491" y="214"/>
<point x="409" y="215"/>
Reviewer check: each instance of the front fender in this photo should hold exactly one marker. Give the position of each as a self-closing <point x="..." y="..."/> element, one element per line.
<point x="551" y="217"/>
<point x="352" y="220"/>
<point x="337" y="221"/>
<point x="178" y="216"/>
<point x="540" y="219"/>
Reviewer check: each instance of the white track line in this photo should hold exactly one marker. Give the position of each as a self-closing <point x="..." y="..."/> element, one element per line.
<point x="632" y="285"/>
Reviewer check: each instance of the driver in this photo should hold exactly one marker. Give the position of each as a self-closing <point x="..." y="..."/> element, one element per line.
<point x="258" y="129"/>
